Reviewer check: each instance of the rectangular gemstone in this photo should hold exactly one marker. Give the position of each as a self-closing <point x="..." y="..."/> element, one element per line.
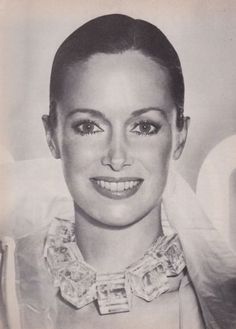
<point x="62" y="229"/>
<point x="147" y="278"/>
<point x="77" y="284"/>
<point x="113" y="293"/>
<point x="168" y="249"/>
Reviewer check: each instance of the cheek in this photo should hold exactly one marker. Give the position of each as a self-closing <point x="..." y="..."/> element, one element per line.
<point x="77" y="158"/>
<point x="155" y="152"/>
<point x="79" y="152"/>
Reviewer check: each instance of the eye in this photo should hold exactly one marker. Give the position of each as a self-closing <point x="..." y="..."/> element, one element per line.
<point x="86" y="127"/>
<point x="145" y="128"/>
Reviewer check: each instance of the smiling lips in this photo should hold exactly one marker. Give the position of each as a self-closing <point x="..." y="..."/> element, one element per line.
<point x="116" y="188"/>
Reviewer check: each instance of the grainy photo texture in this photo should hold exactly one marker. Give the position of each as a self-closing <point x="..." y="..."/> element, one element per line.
<point x="118" y="165"/>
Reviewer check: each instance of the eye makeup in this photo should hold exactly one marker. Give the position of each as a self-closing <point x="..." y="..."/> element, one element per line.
<point x="145" y="128"/>
<point x="86" y="127"/>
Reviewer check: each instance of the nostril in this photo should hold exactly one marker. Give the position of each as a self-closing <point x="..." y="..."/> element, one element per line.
<point x="117" y="156"/>
<point x="115" y="164"/>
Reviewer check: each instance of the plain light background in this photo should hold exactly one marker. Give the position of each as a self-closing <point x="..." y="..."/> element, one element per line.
<point x="203" y="33"/>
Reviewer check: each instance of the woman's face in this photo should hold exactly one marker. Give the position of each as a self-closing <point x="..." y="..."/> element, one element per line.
<point x="116" y="122"/>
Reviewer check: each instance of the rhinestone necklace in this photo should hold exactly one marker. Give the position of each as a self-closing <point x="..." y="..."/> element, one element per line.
<point x="160" y="270"/>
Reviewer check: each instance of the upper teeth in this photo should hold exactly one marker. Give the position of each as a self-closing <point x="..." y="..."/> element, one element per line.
<point x="117" y="186"/>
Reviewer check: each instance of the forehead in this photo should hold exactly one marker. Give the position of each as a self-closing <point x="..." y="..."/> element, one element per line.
<point x="116" y="82"/>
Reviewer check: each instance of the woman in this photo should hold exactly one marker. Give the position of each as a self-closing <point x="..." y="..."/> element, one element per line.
<point x="116" y="122"/>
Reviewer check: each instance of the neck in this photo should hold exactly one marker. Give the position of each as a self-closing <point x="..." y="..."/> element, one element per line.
<point x="112" y="249"/>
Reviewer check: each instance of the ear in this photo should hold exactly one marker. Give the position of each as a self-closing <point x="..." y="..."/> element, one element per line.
<point x="51" y="137"/>
<point x="180" y="139"/>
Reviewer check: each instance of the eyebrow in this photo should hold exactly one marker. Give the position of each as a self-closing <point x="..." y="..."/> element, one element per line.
<point x="96" y="113"/>
<point x="145" y="110"/>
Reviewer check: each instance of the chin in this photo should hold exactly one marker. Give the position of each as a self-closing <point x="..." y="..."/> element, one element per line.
<point x="114" y="213"/>
<point x="118" y="216"/>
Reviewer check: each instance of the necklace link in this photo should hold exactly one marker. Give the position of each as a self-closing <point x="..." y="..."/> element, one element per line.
<point x="158" y="271"/>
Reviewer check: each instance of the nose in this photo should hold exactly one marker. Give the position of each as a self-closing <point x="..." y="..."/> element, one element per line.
<point x="117" y="156"/>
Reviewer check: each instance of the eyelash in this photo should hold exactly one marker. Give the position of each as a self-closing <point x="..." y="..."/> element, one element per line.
<point x="76" y="126"/>
<point x="155" y="125"/>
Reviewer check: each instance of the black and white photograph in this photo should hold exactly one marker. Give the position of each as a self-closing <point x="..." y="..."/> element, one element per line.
<point x="118" y="164"/>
